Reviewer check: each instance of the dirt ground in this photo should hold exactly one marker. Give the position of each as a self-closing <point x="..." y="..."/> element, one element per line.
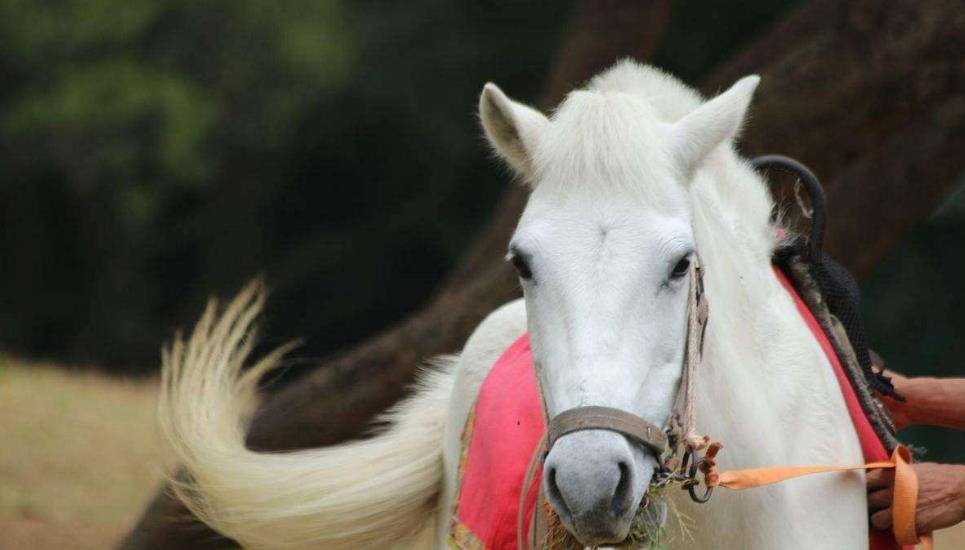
<point x="80" y="455"/>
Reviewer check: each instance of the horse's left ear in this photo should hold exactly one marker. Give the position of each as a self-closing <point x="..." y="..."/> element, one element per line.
<point x="716" y="121"/>
<point x="511" y="128"/>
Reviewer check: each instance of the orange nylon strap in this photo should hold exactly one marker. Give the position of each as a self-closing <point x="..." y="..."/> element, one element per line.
<point x="903" y="502"/>
<point x="905" y="497"/>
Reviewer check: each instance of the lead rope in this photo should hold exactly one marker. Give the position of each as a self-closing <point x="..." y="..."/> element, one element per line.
<point x="904" y="501"/>
<point x="905" y="486"/>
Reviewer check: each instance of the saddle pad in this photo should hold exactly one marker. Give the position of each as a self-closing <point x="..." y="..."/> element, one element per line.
<point x="871" y="445"/>
<point x="507" y="422"/>
<point x="499" y="439"/>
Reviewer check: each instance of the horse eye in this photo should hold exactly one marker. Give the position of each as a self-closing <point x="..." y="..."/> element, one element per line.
<point x="521" y="266"/>
<point x="681" y="268"/>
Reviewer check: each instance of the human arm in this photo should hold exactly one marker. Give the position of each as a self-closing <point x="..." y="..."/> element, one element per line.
<point x="928" y="401"/>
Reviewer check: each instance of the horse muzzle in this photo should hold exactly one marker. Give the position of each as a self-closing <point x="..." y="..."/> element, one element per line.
<point x="601" y="460"/>
<point x="595" y="480"/>
<point x="600" y="463"/>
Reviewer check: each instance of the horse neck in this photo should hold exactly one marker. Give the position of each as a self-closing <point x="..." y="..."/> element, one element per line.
<point x="761" y="370"/>
<point x="764" y="387"/>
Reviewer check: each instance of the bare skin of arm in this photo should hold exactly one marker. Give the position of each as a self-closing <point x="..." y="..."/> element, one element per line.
<point x="941" y="487"/>
<point x="928" y="401"/>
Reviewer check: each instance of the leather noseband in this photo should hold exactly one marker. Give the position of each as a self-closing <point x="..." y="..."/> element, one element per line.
<point x="606" y="418"/>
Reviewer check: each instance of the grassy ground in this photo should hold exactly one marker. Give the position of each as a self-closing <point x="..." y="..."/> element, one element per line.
<point x="80" y="455"/>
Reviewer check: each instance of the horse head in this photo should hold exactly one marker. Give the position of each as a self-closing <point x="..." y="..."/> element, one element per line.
<point x="603" y="250"/>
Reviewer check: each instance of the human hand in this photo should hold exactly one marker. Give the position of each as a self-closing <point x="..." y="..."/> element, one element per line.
<point x="898" y="409"/>
<point x="941" y="496"/>
<point x="928" y="401"/>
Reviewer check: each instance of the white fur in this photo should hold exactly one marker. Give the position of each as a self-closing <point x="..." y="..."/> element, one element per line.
<point x="623" y="183"/>
<point x="372" y="493"/>
<point x="512" y="128"/>
<point x="627" y="174"/>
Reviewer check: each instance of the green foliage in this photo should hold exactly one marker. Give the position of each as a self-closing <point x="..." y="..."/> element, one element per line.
<point x="117" y="113"/>
<point x="155" y="152"/>
<point x="94" y="74"/>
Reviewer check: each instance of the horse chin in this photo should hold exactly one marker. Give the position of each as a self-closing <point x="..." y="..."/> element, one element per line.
<point x="594" y="536"/>
<point x="643" y="529"/>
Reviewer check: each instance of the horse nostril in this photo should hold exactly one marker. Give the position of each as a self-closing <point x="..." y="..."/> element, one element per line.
<point x="554" y="495"/>
<point x="621" y="495"/>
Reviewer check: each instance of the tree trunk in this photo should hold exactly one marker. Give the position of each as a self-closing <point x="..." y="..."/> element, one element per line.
<point x="867" y="93"/>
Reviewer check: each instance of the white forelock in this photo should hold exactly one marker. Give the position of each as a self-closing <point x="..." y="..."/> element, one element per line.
<point x="671" y="99"/>
<point x="607" y="138"/>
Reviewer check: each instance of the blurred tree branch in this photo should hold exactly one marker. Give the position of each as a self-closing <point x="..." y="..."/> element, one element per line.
<point x="867" y="93"/>
<point x="600" y="32"/>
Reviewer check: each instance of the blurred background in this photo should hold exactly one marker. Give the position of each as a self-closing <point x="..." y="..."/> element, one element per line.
<point x="153" y="154"/>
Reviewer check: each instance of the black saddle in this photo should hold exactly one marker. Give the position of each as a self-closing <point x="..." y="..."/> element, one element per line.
<point x="837" y="286"/>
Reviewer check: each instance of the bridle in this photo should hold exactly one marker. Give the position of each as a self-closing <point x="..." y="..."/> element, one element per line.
<point x="675" y="445"/>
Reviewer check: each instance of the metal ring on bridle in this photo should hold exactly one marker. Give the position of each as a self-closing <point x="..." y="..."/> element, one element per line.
<point x="815" y="192"/>
<point x="692" y="481"/>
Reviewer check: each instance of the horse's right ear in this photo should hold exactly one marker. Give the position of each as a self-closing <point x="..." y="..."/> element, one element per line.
<point x="714" y="122"/>
<point x="511" y="128"/>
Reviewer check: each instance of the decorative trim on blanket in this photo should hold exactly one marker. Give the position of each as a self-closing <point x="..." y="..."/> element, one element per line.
<point x="460" y="536"/>
<point x="799" y="274"/>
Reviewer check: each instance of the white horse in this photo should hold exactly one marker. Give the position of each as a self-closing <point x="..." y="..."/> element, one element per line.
<point x="631" y="179"/>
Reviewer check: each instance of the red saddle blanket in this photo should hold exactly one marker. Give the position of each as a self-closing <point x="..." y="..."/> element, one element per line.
<point x="507" y="422"/>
